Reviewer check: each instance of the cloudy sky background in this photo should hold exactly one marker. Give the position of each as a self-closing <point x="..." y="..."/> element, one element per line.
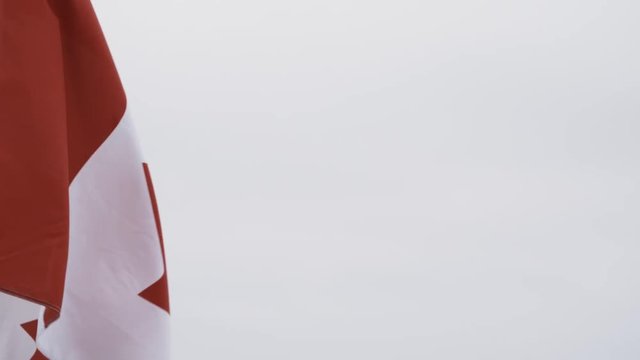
<point x="384" y="180"/>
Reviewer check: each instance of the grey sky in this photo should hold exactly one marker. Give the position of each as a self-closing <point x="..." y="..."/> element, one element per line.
<point x="384" y="180"/>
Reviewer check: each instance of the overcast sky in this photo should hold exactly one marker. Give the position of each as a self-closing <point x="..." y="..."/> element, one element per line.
<point x="392" y="180"/>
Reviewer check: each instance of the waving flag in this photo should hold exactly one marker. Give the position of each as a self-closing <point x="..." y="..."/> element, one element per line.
<point x="82" y="270"/>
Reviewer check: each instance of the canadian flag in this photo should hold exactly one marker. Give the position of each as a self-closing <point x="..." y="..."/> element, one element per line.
<point x="82" y="270"/>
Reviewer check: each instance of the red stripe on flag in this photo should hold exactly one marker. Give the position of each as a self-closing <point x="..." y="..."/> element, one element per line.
<point x="60" y="97"/>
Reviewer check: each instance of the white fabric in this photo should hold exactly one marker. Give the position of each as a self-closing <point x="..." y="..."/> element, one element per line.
<point x="114" y="254"/>
<point x="15" y="343"/>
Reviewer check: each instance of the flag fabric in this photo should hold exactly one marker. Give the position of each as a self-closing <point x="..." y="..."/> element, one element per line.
<point x="82" y="269"/>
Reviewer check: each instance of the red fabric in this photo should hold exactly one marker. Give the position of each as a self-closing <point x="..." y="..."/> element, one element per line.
<point x="39" y="356"/>
<point x="31" y="328"/>
<point x="60" y="97"/>
<point x="158" y="292"/>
